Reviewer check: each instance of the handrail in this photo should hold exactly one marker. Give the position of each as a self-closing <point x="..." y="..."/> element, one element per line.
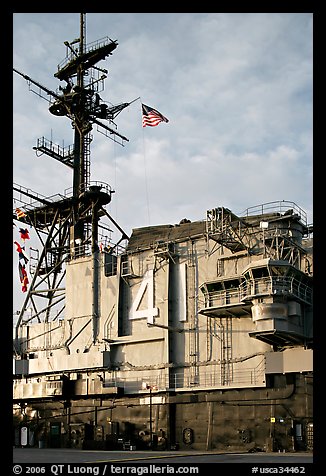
<point x="281" y="206"/>
<point x="94" y="45"/>
<point x="284" y="285"/>
<point x="104" y="187"/>
<point x="208" y="378"/>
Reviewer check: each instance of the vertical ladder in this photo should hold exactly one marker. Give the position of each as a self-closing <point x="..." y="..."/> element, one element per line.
<point x="193" y="315"/>
<point x="226" y="351"/>
<point x="87" y="154"/>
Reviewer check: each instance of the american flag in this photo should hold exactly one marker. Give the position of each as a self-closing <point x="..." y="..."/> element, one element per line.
<point x="151" y="117"/>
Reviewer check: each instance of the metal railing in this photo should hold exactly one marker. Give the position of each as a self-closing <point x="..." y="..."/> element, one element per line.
<point x="281" y="206"/>
<point x="281" y="285"/>
<point x="102" y="186"/>
<point x="206" y="378"/>
<point x="30" y="200"/>
<point x="94" y="45"/>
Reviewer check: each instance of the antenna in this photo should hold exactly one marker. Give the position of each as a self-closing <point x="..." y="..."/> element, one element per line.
<point x="71" y="221"/>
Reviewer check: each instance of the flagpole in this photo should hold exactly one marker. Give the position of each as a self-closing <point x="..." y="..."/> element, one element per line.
<point x="144" y="155"/>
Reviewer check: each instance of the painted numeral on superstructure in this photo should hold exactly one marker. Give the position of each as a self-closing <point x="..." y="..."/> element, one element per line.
<point x="147" y="286"/>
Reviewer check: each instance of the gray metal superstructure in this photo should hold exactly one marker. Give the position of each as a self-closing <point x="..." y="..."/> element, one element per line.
<point x="194" y="335"/>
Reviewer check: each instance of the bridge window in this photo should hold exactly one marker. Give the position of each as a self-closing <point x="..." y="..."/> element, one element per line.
<point x="260" y="272"/>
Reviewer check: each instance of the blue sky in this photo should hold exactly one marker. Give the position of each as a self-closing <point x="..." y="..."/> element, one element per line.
<point x="236" y="88"/>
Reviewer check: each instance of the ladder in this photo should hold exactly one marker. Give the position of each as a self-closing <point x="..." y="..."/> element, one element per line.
<point x="193" y="315"/>
<point x="226" y="351"/>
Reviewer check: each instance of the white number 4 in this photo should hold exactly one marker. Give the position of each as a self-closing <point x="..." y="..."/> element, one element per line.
<point x="150" y="312"/>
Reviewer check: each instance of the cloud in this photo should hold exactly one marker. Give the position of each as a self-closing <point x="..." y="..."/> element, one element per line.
<point x="236" y="87"/>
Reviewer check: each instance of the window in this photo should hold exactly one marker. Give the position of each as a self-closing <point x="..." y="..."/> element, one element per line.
<point x="110" y="264"/>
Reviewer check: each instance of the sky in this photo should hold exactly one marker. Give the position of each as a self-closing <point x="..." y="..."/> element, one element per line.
<point x="236" y="88"/>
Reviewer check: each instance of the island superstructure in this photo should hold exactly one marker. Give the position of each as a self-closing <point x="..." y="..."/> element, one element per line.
<point x="193" y="335"/>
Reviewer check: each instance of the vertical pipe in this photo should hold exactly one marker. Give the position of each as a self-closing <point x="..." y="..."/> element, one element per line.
<point x="95" y="284"/>
<point x="95" y="296"/>
<point x="79" y="149"/>
<point x="80" y="83"/>
<point x="209" y="425"/>
<point x="150" y="418"/>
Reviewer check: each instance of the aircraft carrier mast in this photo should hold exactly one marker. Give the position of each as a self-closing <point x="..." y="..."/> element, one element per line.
<point x="70" y="222"/>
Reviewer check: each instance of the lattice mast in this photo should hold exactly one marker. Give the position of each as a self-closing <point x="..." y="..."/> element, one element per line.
<point x="71" y="223"/>
<point x="81" y="126"/>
